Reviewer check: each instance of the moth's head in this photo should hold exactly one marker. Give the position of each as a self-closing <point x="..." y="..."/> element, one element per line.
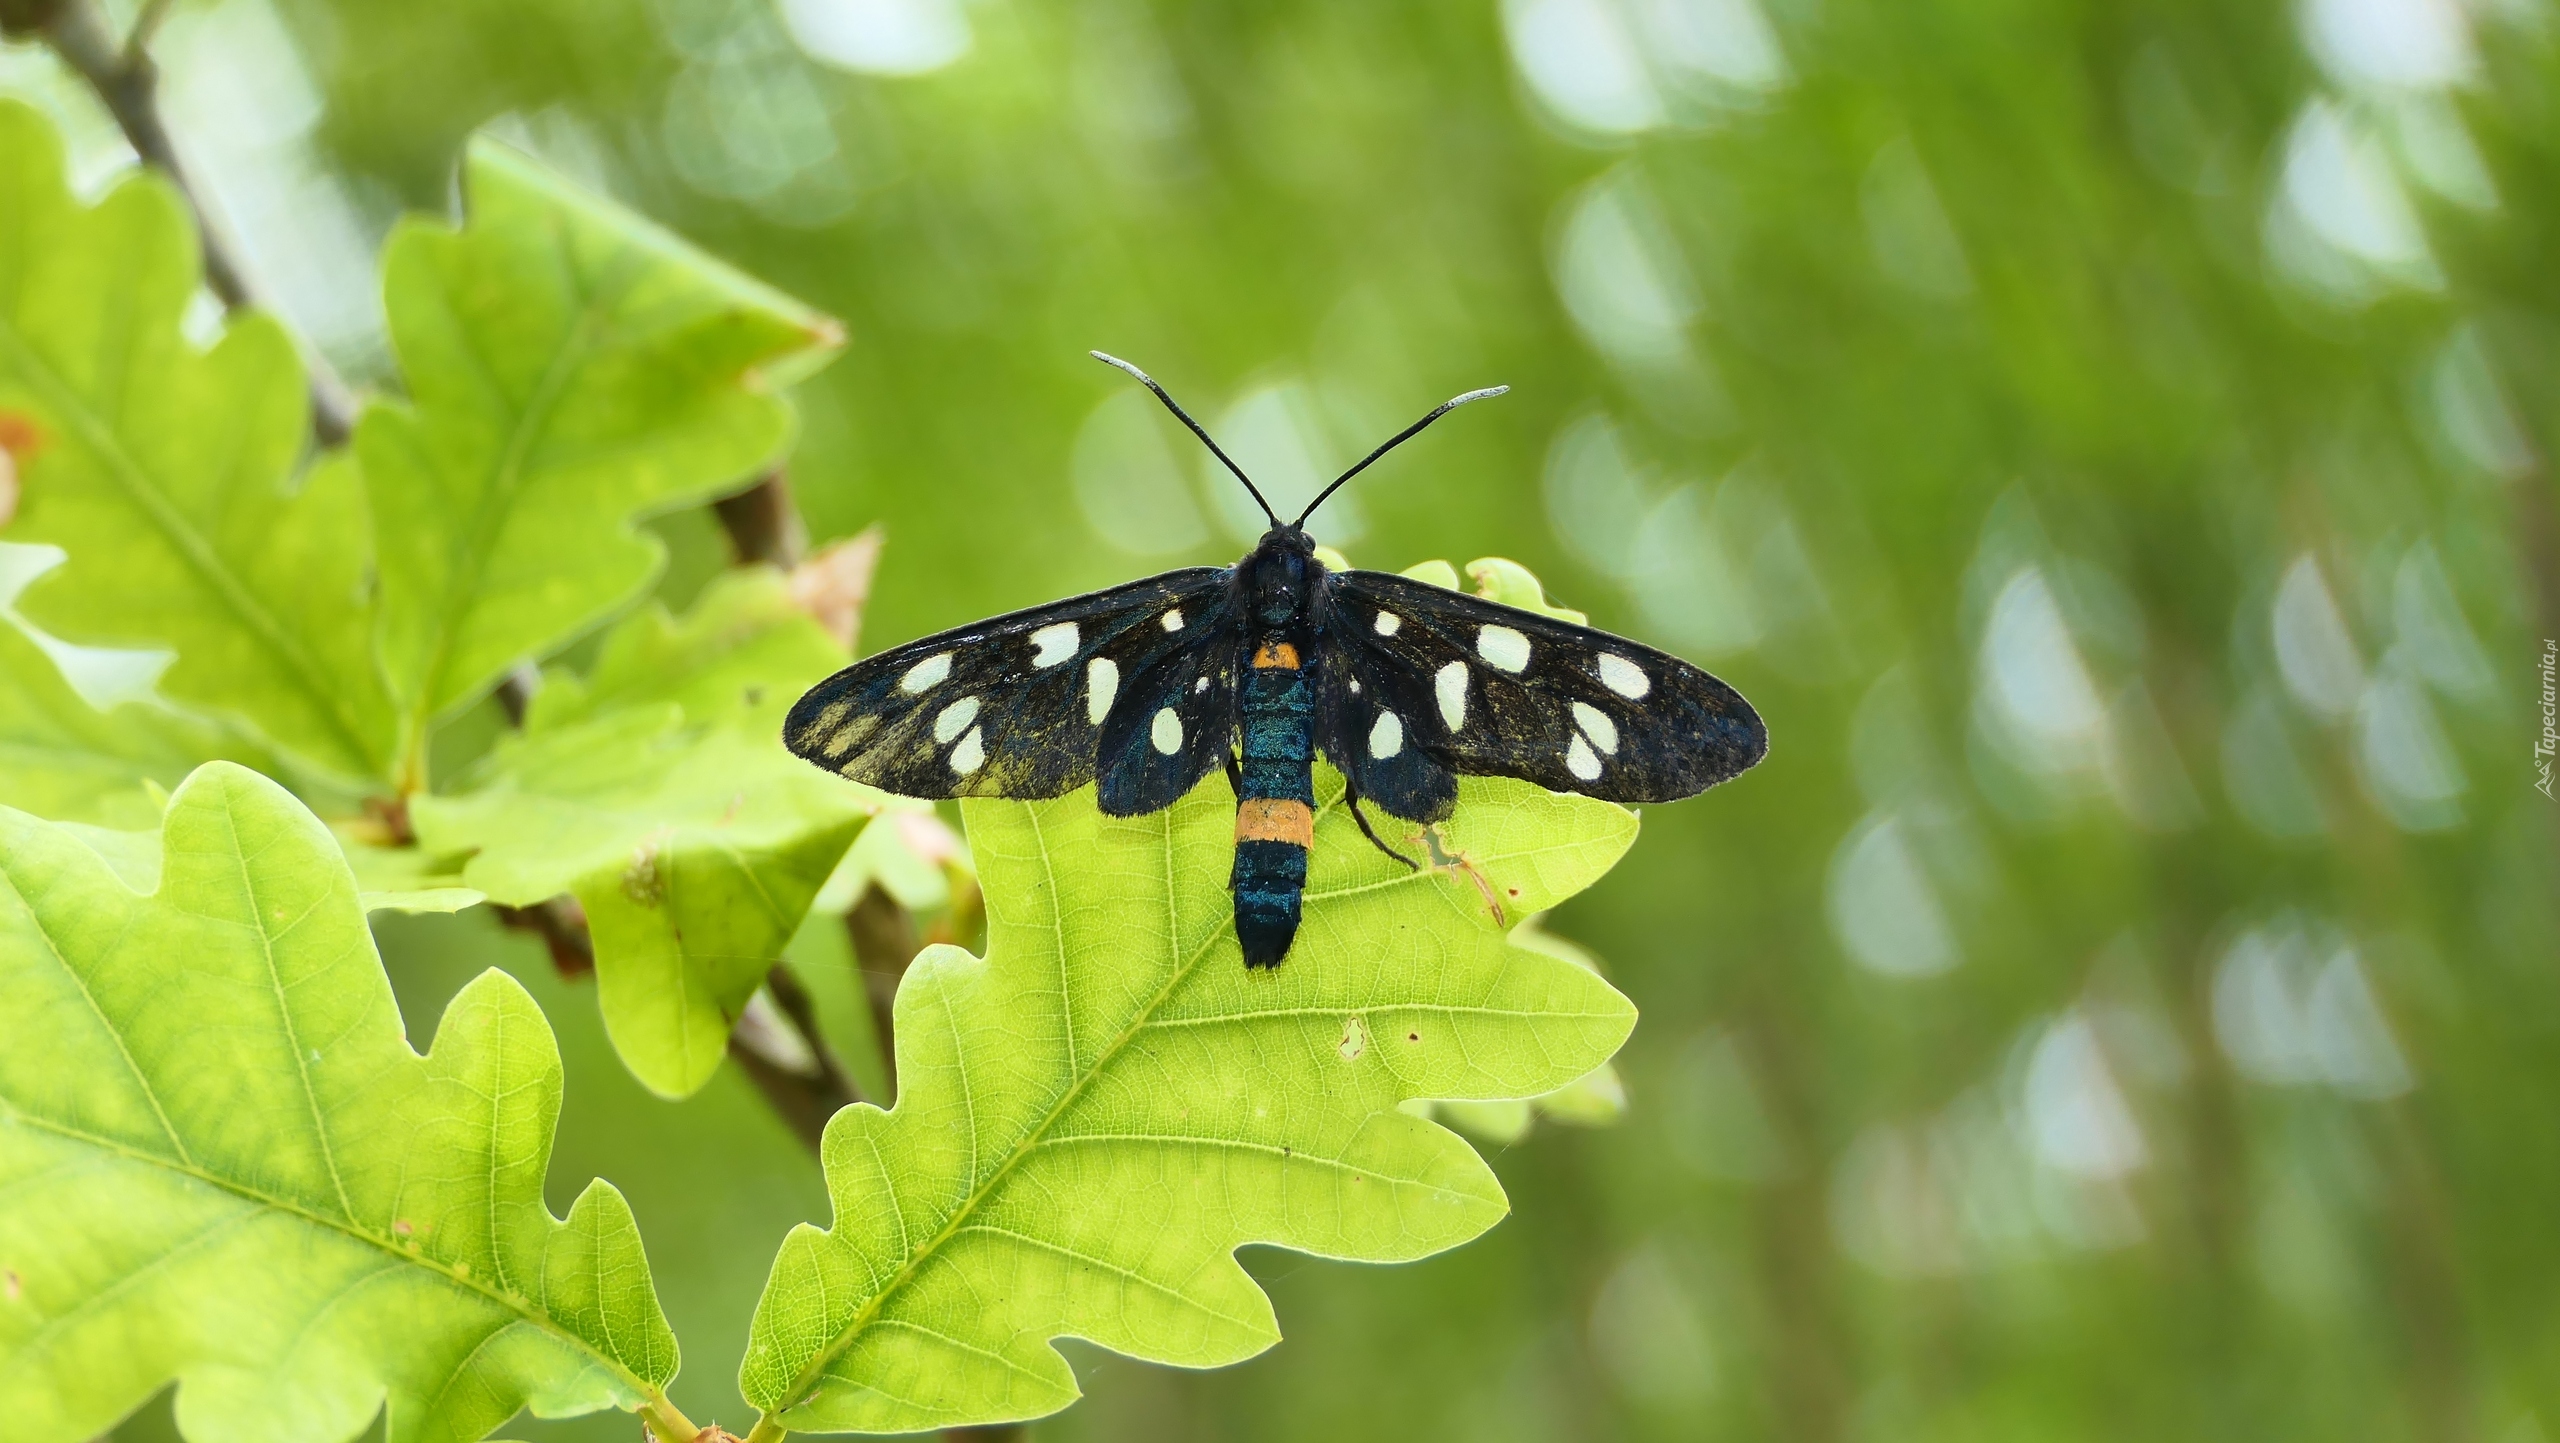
<point x="1290" y="538"/>
<point x="1278" y="574"/>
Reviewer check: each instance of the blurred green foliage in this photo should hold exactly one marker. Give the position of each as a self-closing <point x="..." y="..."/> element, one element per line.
<point x="2109" y="443"/>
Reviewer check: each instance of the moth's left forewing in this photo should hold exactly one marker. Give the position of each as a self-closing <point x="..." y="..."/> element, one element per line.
<point x="1512" y="693"/>
<point x="1009" y="707"/>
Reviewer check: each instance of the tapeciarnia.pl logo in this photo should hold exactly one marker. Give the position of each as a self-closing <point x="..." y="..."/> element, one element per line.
<point x="2542" y="749"/>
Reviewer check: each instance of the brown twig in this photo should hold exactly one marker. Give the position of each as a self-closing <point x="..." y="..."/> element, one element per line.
<point x="127" y="82"/>
<point x="515" y="691"/>
<point x="884" y="942"/>
<point x="763" y="526"/>
<point x="562" y="925"/>
<point x="788" y="1059"/>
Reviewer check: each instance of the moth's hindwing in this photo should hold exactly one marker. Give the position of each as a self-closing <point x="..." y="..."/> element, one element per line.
<point x="1017" y="706"/>
<point x="1175" y="721"/>
<point x="1362" y="703"/>
<point x="1484" y="689"/>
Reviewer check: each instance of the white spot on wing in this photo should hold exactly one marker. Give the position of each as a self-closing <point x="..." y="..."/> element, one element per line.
<point x="1173" y="619"/>
<point x="1579" y="760"/>
<point x="1055" y="643"/>
<point x="1355" y="686"/>
<point x="1502" y="647"/>
<point x="954" y="717"/>
<point x="1101" y="683"/>
<point x="1624" y="677"/>
<point x="1451" y="686"/>
<point x="1596" y="725"/>
<point x="1200" y="686"/>
<point x="1387" y="737"/>
<point x="969" y="755"/>
<point x="1387" y="623"/>
<point x="926" y="673"/>
<point x="1166" y="732"/>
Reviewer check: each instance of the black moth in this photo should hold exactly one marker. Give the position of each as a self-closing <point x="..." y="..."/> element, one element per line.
<point x="1150" y="686"/>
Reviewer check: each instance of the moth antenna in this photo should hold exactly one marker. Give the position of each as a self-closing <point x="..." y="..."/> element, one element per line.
<point x="1175" y="407"/>
<point x="1407" y="434"/>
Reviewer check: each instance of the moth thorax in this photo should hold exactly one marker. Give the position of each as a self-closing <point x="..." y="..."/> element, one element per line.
<point x="1275" y="656"/>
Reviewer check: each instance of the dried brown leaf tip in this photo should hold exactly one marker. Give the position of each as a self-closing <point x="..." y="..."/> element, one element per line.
<point x="1449" y="859"/>
<point x="20" y="440"/>
<point x="833" y="585"/>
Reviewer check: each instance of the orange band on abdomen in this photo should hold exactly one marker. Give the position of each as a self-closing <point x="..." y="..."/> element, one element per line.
<point x="1275" y="821"/>
<point x="1276" y="656"/>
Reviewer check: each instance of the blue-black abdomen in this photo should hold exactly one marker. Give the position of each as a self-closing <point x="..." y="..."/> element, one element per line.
<point x="1275" y="802"/>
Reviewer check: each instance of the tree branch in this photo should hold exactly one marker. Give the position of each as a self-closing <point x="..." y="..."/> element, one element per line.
<point x="127" y="82"/>
<point x="788" y="1059"/>
<point x="659" y="1419"/>
<point x="562" y="925"/>
<point x="762" y="523"/>
<point x="145" y="26"/>
<point x="884" y="942"/>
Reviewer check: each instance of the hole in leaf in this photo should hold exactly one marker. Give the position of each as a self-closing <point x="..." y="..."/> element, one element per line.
<point x="1355" y="1038"/>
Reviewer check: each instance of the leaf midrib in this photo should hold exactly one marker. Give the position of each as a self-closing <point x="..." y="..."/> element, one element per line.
<point x="520" y="1307"/>
<point x="103" y="440"/>
<point x="506" y="477"/>
<point x="1031" y="1140"/>
<point x="815" y="1369"/>
<point x="276" y="990"/>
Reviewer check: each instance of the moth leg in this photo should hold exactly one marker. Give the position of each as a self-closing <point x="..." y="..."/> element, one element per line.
<point x="1351" y="791"/>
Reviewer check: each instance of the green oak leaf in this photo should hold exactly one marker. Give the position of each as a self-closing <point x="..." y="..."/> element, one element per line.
<point x="168" y="473"/>
<point x="1095" y="1116"/>
<point x="1437" y="573"/>
<point x="572" y="369"/>
<point x="225" y="1166"/>
<point x="1598" y="1098"/>
<point x="911" y="856"/>
<point x="657" y="792"/>
<point x="742" y="649"/>
<point x="1513" y="584"/>
<point x="63" y="759"/>
<point x="400" y="879"/>
<point x="422" y="899"/>
<point x="134" y="856"/>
